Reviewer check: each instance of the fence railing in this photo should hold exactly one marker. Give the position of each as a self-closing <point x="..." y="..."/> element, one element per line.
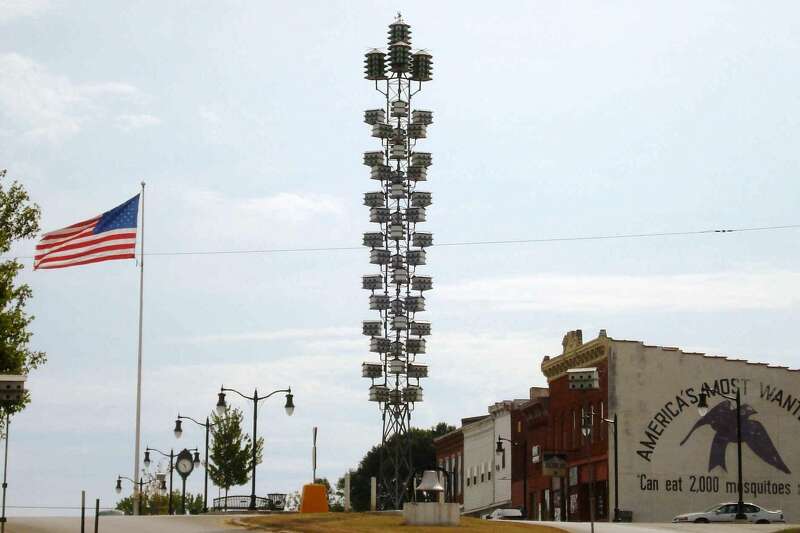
<point x="273" y="502"/>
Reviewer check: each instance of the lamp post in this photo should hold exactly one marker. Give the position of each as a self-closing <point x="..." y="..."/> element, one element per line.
<point x="702" y="408"/>
<point x="614" y="422"/>
<point x="140" y="484"/>
<point x="255" y="398"/>
<point x="171" y="457"/>
<point x="13" y="389"/>
<point x="524" y="445"/>
<point x="587" y="425"/>
<point x="178" y="432"/>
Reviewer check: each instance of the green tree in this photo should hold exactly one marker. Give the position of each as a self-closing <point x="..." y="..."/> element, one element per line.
<point x="423" y="454"/>
<point x="19" y="219"/>
<point x="231" y="456"/>
<point x="335" y="497"/>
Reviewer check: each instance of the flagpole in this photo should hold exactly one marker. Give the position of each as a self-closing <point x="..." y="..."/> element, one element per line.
<point x="136" y="495"/>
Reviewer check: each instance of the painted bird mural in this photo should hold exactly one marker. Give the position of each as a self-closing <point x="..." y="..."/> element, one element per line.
<point x="722" y="419"/>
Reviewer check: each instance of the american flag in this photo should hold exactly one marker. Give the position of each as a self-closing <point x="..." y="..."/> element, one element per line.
<point x="111" y="235"/>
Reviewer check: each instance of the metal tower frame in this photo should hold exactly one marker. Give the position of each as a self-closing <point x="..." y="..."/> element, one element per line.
<point x="397" y="249"/>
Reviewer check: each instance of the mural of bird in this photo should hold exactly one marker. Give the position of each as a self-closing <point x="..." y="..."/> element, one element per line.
<point x="722" y="419"/>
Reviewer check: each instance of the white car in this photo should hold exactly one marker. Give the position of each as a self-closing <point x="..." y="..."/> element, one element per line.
<point x="726" y="512"/>
<point x="504" y="514"/>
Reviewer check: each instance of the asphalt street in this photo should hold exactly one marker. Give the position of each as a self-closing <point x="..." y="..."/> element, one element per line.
<point x="124" y="524"/>
<point x="221" y="524"/>
<point x="607" y="527"/>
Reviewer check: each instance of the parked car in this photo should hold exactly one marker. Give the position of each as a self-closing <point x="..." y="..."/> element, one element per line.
<point x="504" y="514"/>
<point x="726" y="512"/>
<point x="111" y="512"/>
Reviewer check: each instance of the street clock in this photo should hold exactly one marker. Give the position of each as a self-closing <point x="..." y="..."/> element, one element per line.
<point x="184" y="465"/>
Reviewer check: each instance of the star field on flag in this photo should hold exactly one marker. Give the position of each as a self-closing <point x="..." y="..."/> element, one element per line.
<point x="105" y="237"/>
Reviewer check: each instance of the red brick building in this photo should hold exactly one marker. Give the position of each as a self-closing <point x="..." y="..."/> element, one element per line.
<point x="663" y="451"/>
<point x="450" y="456"/>
<point x="550" y="424"/>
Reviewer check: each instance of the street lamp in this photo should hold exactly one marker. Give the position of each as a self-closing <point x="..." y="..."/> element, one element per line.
<point x="614" y="422"/>
<point x="171" y="457"/>
<point x="12" y="389"/>
<point x="255" y="398"/>
<point x="140" y="484"/>
<point x="524" y="445"/>
<point x="587" y="426"/>
<point x="702" y="408"/>
<point x="178" y="432"/>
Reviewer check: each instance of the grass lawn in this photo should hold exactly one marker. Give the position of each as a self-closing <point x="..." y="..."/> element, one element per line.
<point x="372" y="522"/>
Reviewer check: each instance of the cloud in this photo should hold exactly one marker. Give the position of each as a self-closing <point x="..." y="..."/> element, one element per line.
<point x="13" y="9"/>
<point x="290" y="215"/>
<point x="134" y="122"/>
<point x="722" y="291"/>
<point x="40" y="105"/>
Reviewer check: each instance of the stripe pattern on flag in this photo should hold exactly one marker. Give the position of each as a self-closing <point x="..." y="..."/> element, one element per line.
<point x="105" y="237"/>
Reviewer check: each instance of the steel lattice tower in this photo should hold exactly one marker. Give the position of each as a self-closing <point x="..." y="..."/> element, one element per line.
<point x="397" y="249"/>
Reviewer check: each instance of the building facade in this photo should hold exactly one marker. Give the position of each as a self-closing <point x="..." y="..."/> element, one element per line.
<point x="487" y="474"/>
<point x="450" y="457"/>
<point x="672" y="460"/>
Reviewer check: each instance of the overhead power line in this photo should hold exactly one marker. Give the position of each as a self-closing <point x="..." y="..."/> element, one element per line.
<point x="479" y="243"/>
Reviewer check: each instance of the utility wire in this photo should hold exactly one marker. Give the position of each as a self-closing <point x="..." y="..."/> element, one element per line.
<point x="479" y="243"/>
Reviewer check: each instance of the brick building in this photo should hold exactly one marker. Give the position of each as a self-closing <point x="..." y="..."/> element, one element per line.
<point x="672" y="460"/>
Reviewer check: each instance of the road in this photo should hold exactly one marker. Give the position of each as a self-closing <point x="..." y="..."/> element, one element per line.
<point x="607" y="527"/>
<point x="123" y="524"/>
<point x="221" y="524"/>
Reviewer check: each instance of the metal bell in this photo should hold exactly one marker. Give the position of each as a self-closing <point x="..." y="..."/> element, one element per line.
<point x="430" y="482"/>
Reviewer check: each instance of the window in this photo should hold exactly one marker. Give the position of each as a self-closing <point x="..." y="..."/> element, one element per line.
<point x="603" y="431"/>
<point x="575" y="429"/>
<point x="503" y="459"/>
<point x="554" y="433"/>
<point x="483" y="474"/>
<point x="457" y="478"/>
<point x="751" y="509"/>
<point x="489" y="475"/>
<point x="519" y="426"/>
<point x="583" y="415"/>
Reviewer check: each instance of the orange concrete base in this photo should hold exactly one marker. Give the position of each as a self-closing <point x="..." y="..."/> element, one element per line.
<point x="315" y="499"/>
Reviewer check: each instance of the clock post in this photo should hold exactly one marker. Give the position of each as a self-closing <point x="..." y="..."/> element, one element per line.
<point x="184" y="465"/>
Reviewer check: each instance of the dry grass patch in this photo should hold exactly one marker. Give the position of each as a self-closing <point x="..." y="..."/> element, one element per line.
<point x="373" y="522"/>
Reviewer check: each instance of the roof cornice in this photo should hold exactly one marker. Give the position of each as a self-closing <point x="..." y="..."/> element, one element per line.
<point x="576" y="356"/>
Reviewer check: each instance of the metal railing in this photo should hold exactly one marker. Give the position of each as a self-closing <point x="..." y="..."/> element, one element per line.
<point x="273" y="502"/>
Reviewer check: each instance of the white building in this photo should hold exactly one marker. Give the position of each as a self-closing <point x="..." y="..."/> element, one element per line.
<point x="487" y="474"/>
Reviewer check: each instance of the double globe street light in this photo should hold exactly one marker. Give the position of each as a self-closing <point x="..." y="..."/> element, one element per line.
<point x="222" y="408"/>
<point x="140" y="483"/>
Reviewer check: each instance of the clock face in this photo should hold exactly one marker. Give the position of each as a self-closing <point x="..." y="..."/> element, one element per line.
<point x="184" y="466"/>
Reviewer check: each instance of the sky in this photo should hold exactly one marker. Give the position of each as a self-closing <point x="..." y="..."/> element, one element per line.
<point x="244" y="119"/>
